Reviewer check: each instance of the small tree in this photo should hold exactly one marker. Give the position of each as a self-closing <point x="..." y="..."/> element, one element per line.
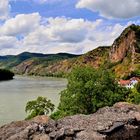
<point x="40" y="106"/>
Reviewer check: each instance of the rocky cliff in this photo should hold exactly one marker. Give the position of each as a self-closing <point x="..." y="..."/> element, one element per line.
<point x="120" y="122"/>
<point x="125" y="52"/>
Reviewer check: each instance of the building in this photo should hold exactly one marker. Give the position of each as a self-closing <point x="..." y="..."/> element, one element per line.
<point x="129" y="83"/>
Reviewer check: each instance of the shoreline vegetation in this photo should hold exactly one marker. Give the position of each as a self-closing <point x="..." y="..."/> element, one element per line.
<point x="88" y="90"/>
<point x="6" y="75"/>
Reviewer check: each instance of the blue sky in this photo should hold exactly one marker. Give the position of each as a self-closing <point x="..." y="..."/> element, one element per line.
<point x="53" y="26"/>
<point x="63" y="8"/>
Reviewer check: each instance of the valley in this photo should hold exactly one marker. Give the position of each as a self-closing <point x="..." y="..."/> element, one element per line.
<point x="122" y="57"/>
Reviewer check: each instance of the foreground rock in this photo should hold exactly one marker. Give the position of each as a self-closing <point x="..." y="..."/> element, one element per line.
<point x="122" y="121"/>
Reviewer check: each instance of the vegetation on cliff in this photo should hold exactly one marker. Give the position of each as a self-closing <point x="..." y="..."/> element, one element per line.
<point x="6" y="74"/>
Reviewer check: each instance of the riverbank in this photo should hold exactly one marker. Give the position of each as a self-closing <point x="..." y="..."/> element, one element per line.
<point x="122" y="121"/>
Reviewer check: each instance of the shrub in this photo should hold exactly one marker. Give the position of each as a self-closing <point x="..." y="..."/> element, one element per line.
<point x="6" y="74"/>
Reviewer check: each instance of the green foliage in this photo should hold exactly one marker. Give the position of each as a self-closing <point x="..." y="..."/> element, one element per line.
<point x="6" y="74"/>
<point x="134" y="96"/>
<point x="87" y="91"/>
<point x="40" y="106"/>
<point x="135" y="73"/>
<point x="58" y="75"/>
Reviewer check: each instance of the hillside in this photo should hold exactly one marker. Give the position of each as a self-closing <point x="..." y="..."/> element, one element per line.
<point x="59" y="65"/>
<point x="93" y="58"/>
<point x="123" y="57"/>
<point x="31" y="63"/>
<point x="10" y="61"/>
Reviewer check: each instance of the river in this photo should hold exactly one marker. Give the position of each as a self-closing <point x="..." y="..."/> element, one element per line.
<point x="14" y="95"/>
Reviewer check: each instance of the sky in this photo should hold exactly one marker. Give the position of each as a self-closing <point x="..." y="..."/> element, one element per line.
<point x="71" y="26"/>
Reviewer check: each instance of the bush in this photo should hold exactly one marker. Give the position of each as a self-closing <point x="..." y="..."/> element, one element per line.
<point x="40" y="106"/>
<point x="6" y="74"/>
<point x="87" y="91"/>
<point x="134" y="96"/>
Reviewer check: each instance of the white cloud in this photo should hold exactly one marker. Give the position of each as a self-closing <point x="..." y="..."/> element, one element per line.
<point x="21" y="24"/>
<point x="7" y="42"/>
<point x="4" y="9"/>
<point x="71" y="35"/>
<point x="61" y="30"/>
<point x="56" y="35"/>
<point x="112" y="8"/>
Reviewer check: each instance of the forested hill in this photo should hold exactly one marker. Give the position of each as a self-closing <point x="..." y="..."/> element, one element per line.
<point x="35" y="59"/>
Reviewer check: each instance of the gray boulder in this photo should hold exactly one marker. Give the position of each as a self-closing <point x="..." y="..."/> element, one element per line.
<point x="122" y="121"/>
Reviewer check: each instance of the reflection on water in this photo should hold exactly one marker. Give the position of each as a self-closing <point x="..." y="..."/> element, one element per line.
<point x="14" y="95"/>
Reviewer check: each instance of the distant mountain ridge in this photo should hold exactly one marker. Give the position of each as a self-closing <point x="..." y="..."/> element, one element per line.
<point x="12" y="61"/>
<point x="123" y="57"/>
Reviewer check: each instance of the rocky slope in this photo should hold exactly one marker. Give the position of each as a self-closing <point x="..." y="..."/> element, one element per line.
<point x="120" y="122"/>
<point x="124" y="45"/>
<point x="94" y="58"/>
<point x="125" y="52"/>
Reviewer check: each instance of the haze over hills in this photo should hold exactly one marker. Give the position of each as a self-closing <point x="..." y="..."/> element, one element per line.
<point x="123" y="57"/>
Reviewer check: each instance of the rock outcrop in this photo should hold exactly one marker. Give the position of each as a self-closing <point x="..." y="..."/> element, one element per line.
<point x="122" y="121"/>
<point x="123" y="46"/>
<point x="125" y="52"/>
